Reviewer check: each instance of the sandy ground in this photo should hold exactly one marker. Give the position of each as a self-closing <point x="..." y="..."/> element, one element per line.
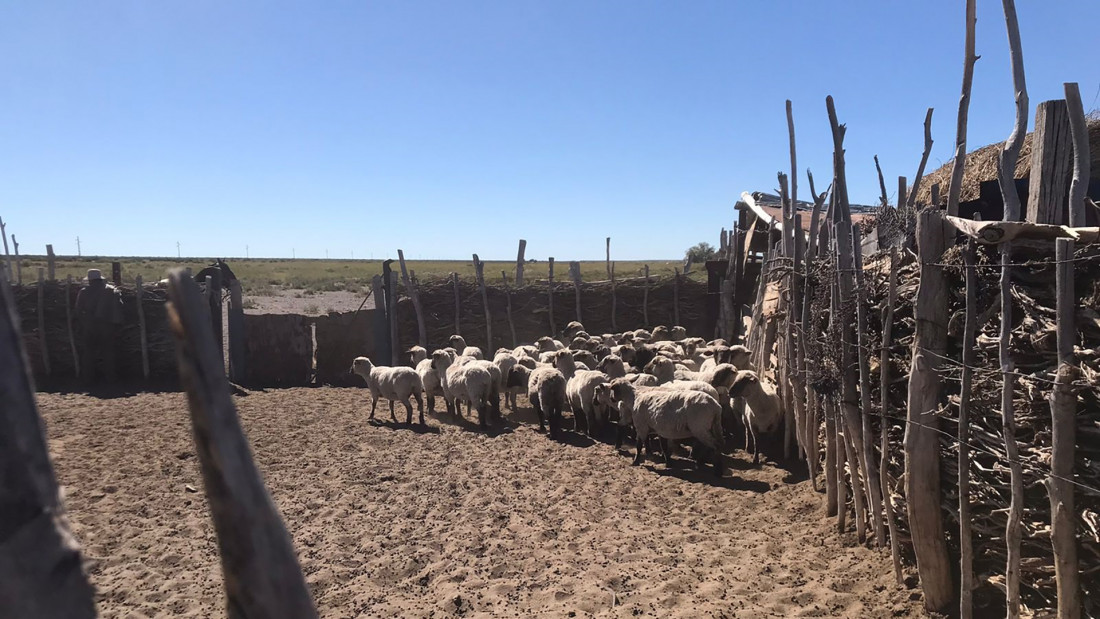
<point x="298" y="302"/>
<point x="393" y="522"/>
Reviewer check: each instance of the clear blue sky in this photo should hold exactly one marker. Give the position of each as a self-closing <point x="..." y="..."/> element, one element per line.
<point x="446" y="128"/>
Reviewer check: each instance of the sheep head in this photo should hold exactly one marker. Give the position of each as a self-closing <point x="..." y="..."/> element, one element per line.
<point x="546" y="344"/>
<point x="742" y="382"/>
<point x="622" y="396"/>
<point x="441" y="360"/>
<point x="660" y="334"/>
<point x="457" y="342"/>
<point x="361" y="366"/>
<point x="678" y="332"/>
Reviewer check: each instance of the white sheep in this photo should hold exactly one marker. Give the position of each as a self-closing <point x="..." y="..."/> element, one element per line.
<point x="642" y="379"/>
<point x="545" y="390"/>
<point x="392" y="383"/>
<point x="679" y="333"/>
<point x="580" y="390"/>
<point x="663" y="368"/>
<point x="473" y="351"/>
<point x="456" y="342"/>
<point x="417" y="354"/>
<point x="505" y="361"/>
<point x="572" y="329"/>
<point x="613" y="366"/>
<point x="692" y="385"/>
<point x="468" y="382"/>
<point x="671" y="414"/>
<point x="763" y="407"/>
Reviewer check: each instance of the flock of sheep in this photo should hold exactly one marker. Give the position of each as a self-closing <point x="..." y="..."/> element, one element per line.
<point x="657" y="382"/>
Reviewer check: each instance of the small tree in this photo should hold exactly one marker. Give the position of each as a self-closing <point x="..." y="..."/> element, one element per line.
<point x="700" y="253"/>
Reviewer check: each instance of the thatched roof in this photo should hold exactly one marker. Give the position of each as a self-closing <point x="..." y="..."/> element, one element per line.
<point x="981" y="166"/>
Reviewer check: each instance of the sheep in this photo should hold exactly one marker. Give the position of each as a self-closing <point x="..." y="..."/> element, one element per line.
<point x="495" y="386"/>
<point x="572" y="329"/>
<point x="664" y="369"/>
<point x="642" y="379"/>
<point x="505" y="361"/>
<point x="392" y="383"/>
<point x="430" y="380"/>
<point x="417" y="354"/>
<point x="473" y="351"/>
<point x="643" y="354"/>
<point x="456" y="342"/>
<point x="671" y="414"/>
<point x="678" y="333"/>
<point x="548" y="344"/>
<point x="470" y="383"/>
<point x="525" y="350"/>
<point x="738" y="356"/>
<point x="585" y="357"/>
<point x="580" y="390"/>
<point x="527" y="362"/>
<point x="763" y="407"/>
<point x="693" y="385"/>
<point x="546" y="390"/>
<point x="660" y="334"/>
<point x="613" y="366"/>
<point x="564" y="362"/>
<point x="624" y="352"/>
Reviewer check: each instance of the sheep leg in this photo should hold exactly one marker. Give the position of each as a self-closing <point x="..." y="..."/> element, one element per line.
<point x="666" y="449"/>
<point x="755" y="444"/>
<point x="419" y="407"/>
<point x="620" y="432"/>
<point x="392" y="416"/>
<point x="373" y="405"/>
<point x="538" y="411"/>
<point x="638" y="455"/>
<point x="431" y="404"/>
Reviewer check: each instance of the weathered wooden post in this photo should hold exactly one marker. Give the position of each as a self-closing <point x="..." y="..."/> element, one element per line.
<point x="458" y="303"/>
<point x="954" y="190"/>
<point x="884" y="388"/>
<point x="575" y="273"/>
<point x="519" y="264"/>
<point x="1079" y="135"/>
<point x="216" y="312"/>
<point x="1006" y="175"/>
<point x="382" y="348"/>
<point x="550" y="299"/>
<point x="508" y="298"/>
<point x="871" y="476"/>
<point x="41" y="570"/>
<point x="69" y="324"/>
<point x="414" y="294"/>
<point x="853" y="427"/>
<point x="1051" y="158"/>
<point x="238" y="357"/>
<point x="922" y="452"/>
<point x="608" y="258"/>
<point x="911" y="201"/>
<point x="18" y="264"/>
<point x="116" y="274"/>
<point x="1013" y="533"/>
<point x="970" y="329"/>
<point x="479" y="268"/>
<point x="51" y="264"/>
<point x="139" y="294"/>
<point x="42" y="321"/>
<point x="1063" y="408"/>
<point x="7" y="254"/>
<point x="645" y="299"/>
<point x="389" y="283"/>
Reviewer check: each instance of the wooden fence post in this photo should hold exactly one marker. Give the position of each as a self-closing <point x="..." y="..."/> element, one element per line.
<point x="1051" y="158"/>
<point x="216" y="313"/>
<point x="51" y="264"/>
<point x="1079" y="135"/>
<point x="414" y="294"/>
<point x="575" y="273"/>
<point x="41" y="570"/>
<point x="116" y="274"/>
<point x="139" y="293"/>
<point x="1063" y="408"/>
<point x="381" y="321"/>
<point x="458" y="303"/>
<point x="1006" y="176"/>
<point x="550" y="299"/>
<point x="238" y="359"/>
<point x="608" y="258"/>
<point x="1013" y="533"/>
<point x="42" y="320"/>
<point x="970" y="329"/>
<point x="18" y="263"/>
<point x="954" y="189"/>
<point x="389" y="284"/>
<point x="922" y="451"/>
<point x="645" y="299"/>
<point x="911" y="201"/>
<point x="479" y="268"/>
<point x="853" y="427"/>
<point x="519" y="264"/>
<point x="7" y="254"/>
<point x="871" y="476"/>
<point x="69" y="324"/>
<point x="508" y="298"/>
<point x="884" y="388"/>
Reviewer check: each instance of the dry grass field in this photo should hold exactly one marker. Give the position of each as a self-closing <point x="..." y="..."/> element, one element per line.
<point x="389" y="522"/>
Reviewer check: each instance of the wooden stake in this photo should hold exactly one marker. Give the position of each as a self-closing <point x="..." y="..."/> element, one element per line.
<point x="810" y="326"/>
<point x="884" y="388"/>
<point x="1051" y="159"/>
<point x="970" y="329"/>
<point x="216" y="313"/>
<point x="922" y="450"/>
<point x="41" y="569"/>
<point x="51" y="264"/>
<point x="1063" y="408"/>
<point x="508" y="298"/>
<point x="903" y="190"/>
<point x="139" y="293"/>
<point x="18" y="263"/>
<point x="871" y="478"/>
<point x="550" y="299"/>
<point x="1079" y="134"/>
<point x="790" y="422"/>
<point x="414" y="294"/>
<point x="912" y="200"/>
<point x="69" y="324"/>
<point x="853" y="431"/>
<point x="458" y="303"/>
<point x="519" y="266"/>
<point x="238" y="353"/>
<point x="1006" y="173"/>
<point x="479" y="269"/>
<point x="884" y="200"/>
<point x="645" y="299"/>
<point x="42" y="320"/>
<point x="389" y="284"/>
<point x="575" y="273"/>
<point x="7" y="254"/>
<point x="1008" y="420"/>
<point x="970" y="57"/>
<point x="836" y="499"/>
<point x="608" y="257"/>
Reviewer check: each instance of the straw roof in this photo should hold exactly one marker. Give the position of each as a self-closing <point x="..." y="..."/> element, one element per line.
<point x="981" y="166"/>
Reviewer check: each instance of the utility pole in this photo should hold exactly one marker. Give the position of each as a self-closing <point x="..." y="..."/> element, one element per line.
<point x="292" y="254"/>
<point x="246" y="251"/>
<point x="177" y="249"/>
<point x="78" y="246"/>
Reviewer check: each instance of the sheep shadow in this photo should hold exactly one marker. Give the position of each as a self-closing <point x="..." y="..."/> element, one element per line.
<point x="496" y="427"/>
<point x="686" y="471"/>
<point x="414" y="427"/>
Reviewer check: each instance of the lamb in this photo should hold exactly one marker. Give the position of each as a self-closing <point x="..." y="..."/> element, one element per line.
<point x="505" y="361"/>
<point x="429" y="378"/>
<point x="392" y="383"/>
<point x="693" y="385"/>
<point x="763" y="407"/>
<point x="467" y="382"/>
<point x="546" y="390"/>
<point x="572" y="329"/>
<point x="580" y="390"/>
<point x="671" y="414"/>
<point x="662" y="368"/>
<point x="613" y="366"/>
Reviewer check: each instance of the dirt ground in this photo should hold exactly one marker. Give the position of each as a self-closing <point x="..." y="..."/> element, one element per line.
<point x="389" y="521"/>
<point x="306" y="303"/>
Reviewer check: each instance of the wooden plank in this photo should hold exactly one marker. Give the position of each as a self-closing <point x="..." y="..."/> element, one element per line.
<point x="1013" y="532"/>
<point x="1051" y="160"/>
<point x="389" y="284"/>
<point x="849" y="408"/>
<point x="51" y="264"/>
<point x="42" y="321"/>
<point x="216" y="312"/>
<point x="41" y="570"/>
<point x="969" y="354"/>
<point x="1082" y="157"/>
<point x="261" y="573"/>
<point x="884" y="393"/>
<point x="871" y="478"/>
<point x="922" y="452"/>
<point x="69" y="324"/>
<point x="139" y="294"/>
<point x="414" y="294"/>
<point x="519" y="264"/>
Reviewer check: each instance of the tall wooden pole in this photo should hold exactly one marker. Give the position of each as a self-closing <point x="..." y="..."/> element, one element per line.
<point x="550" y="300"/>
<point x="69" y="324"/>
<point x="139" y="294"/>
<point x="479" y="269"/>
<point x="970" y="329"/>
<point x="18" y="264"/>
<point x="7" y="254"/>
<point x="51" y="265"/>
<point x="519" y="263"/>
<point x="955" y="189"/>
<point x="1063" y="407"/>
<point x="608" y="257"/>
<point x="912" y="200"/>
<point x="884" y="389"/>
<point x="508" y="299"/>
<point x="414" y="294"/>
<point x="922" y="448"/>
<point x="1013" y="533"/>
<point x="1079" y="133"/>
<point x="1006" y="176"/>
<point x="853" y="427"/>
<point x="614" y="300"/>
<point x="575" y="273"/>
<point x="871" y="479"/>
<point x="42" y="321"/>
